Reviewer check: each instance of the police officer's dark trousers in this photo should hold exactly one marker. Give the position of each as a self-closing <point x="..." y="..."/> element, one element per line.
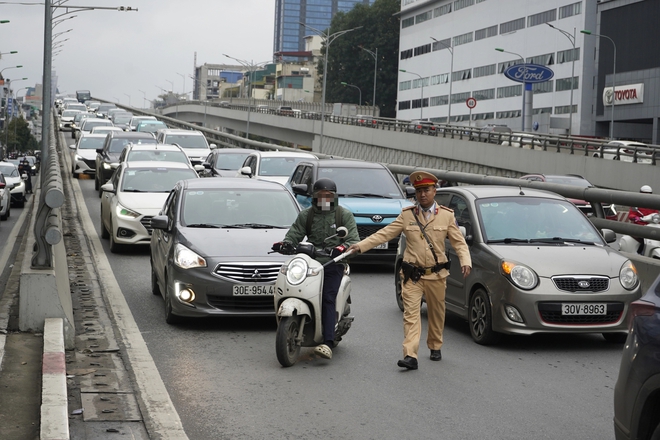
<point x="332" y="276"/>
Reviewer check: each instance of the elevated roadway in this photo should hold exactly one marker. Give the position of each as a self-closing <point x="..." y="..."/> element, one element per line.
<point x="455" y="151"/>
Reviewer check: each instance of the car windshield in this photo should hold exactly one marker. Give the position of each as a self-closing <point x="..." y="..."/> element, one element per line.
<point x="121" y="118"/>
<point x="151" y="155"/>
<point x="230" y="161"/>
<point x="534" y="220"/>
<point x="362" y="182"/>
<point x="69" y="113"/>
<point x="151" y="126"/>
<point x="154" y="179"/>
<point x="9" y="170"/>
<point x="80" y="107"/>
<point x="91" y="143"/>
<point x="187" y="141"/>
<point x="89" y="123"/>
<point x="278" y="166"/>
<point x="238" y="208"/>
<point x="117" y="145"/>
<point x="105" y="107"/>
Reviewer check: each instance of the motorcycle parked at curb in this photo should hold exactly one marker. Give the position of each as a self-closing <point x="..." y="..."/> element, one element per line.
<point x="651" y="247"/>
<point x="298" y="300"/>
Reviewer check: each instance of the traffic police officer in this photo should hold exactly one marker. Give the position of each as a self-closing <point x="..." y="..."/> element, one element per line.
<point x="425" y="266"/>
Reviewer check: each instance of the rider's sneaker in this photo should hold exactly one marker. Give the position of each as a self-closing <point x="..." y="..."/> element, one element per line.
<point x="324" y="351"/>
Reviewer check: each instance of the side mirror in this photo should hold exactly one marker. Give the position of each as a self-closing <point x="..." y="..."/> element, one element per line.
<point x="300" y="189"/>
<point x="213" y="146"/>
<point x="206" y="165"/>
<point x="609" y="235"/>
<point x="410" y="192"/>
<point x="108" y="187"/>
<point x="99" y="150"/>
<point x="199" y="168"/>
<point x="159" y="222"/>
<point x="246" y="171"/>
<point x="342" y="232"/>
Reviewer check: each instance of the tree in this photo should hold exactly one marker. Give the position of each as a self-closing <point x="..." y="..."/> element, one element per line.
<point x="17" y="136"/>
<point x="347" y="62"/>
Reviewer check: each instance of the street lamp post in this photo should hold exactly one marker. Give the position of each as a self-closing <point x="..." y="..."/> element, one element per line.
<point x="183" y="89"/>
<point x="375" y="55"/>
<point x="524" y="84"/>
<point x="356" y="87"/>
<point x="252" y="67"/>
<point x="327" y="39"/>
<point x="613" y="79"/>
<point x="144" y="98"/>
<point x="8" y="53"/>
<point x="11" y="67"/>
<point x="421" y="81"/>
<point x="129" y="99"/>
<point x="451" y="77"/>
<point x="172" y="83"/>
<point x="571" y="38"/>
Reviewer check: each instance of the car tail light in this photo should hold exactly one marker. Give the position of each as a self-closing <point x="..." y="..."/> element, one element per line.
<point x="625" y="150"/>
<point x="641" y="308"/>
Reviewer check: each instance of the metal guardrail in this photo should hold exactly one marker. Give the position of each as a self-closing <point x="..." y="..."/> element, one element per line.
<point x="48" y="223"/>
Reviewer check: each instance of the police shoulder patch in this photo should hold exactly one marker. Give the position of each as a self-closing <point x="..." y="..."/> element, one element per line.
<point x="408" y="208"/>
<point x="446" y="209"/>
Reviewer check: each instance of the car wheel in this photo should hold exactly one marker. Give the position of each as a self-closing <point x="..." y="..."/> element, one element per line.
<point x="96" y="182"/>
<point x="154" y="281"/>
<point x="615" y="338"/>
<point x="114" y="246"/>
<point x="100" y="192"/>
<point x="170" y="317"/>
<point x="397" y="286"/>
<point x="286" y="347"/>
<point x="104" y="231"/>
<point x="5" y="216"/>
<point x="656" y="433"/>
<point x="480" y="318"/>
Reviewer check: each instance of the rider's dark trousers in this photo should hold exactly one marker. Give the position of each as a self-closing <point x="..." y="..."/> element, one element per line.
<point x="332" y="276"/>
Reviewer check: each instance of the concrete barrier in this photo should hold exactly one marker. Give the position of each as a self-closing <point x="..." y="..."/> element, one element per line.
<point x="54" y="404"/>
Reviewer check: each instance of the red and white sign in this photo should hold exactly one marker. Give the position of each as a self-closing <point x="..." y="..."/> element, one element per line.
<point x="624" y="94"/>
<point x="471" y="102"/>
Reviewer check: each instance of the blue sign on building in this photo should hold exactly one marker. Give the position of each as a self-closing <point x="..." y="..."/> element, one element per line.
<point x="10" y="109"/>
<point x="529" y="73"/>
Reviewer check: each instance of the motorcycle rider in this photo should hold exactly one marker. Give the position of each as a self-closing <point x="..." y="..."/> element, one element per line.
<point x="635" y="214"/>
<point x="319" y="222"/>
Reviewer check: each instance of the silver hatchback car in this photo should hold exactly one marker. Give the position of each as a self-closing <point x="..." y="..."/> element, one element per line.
<point x="539" y="266"/>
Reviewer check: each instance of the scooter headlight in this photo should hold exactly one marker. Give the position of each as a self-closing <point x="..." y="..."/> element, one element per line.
<point x="296" y="271"/>
<point x="628" y="276"/>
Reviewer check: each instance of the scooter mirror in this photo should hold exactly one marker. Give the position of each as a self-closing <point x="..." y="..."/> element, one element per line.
<point x="342" y="232"/>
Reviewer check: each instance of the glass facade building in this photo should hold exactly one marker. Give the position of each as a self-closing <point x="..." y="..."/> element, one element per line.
<point x="289" y="14"/>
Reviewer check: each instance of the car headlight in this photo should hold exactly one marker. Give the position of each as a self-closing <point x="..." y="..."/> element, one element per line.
<point x="628" y="275"/>
<point x="125" y="212"/>
<point x="296" y="271"/>
<point x="187" y="259"/>
<point x="78" y="157"/>
<point x="519" y="274"/>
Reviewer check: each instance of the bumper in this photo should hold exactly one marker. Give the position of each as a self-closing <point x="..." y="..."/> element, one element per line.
<point x="132" y="231"/>
<point x="84" y="167"/>
<point x="18" y="193"/>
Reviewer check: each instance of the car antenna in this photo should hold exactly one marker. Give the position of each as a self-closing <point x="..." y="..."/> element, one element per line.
<point x="521" y="193"/>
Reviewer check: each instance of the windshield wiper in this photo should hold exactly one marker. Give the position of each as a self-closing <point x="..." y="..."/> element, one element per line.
<point x="562" y="240"/>
<point x="133" y="191"/>
<point x="259" y="226"/>
<point x="203" y="225"/>
<point x="365" y="195"/>
<point x="510" y="240"/>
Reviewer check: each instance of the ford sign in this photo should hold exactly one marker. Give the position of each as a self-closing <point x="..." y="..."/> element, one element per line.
<point x="529" y="73"/>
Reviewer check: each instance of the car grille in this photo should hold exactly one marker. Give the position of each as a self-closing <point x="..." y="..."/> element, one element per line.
<point x="241" y="302"/>
<point x="582" y="284"/>
<point x="366" y="230"/>
<point x="551" y="314"/>
<point x="90" y="163"/>
<point x="146" y="222"/>
<point x="249" y="272"/>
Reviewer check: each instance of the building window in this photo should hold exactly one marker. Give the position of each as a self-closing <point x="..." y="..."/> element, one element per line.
<point x="541" y="111"/>
<point x="565" y="84"/>
<point x="485" y="33"/>
<point x="416" y="102"/>
<point x="459" y="97"/>
<point x="565" y="109"/>
<point x="442" y="44"/>
<point x="568" y="55"/>
<point x="509" y="114"/>
<point x="421" y="50"/>
<point x="483" y="116"/>
<point x="460" y="4"/>
<point x="544" y="87"/>
<point x="513" y="25"/>
<point x="460" y="75"/>
<point x="442" y="10"/>
<point x="404" y="105"/>
<point x="417" y="83"/>
<point x="443" y="78"/>
<point x="407" y="22"/>
<point x="404" y="85"/>
<point x="547" y="59"/>
<point x="483" y="95"/>
<point x="509" y="91"/>
<point x="542" y="17"/>
<point x="439" y="100"/>
<point x="570" y="10"/>
<point x="462" y="39"/>
<point x="501" y="67"/>
<point x="421" y="18"/>
<point x="484" y="71"/>
<point x="405" y="54"/>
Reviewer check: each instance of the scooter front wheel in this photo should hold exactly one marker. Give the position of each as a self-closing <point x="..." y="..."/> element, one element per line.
<point x="285" y="344"/>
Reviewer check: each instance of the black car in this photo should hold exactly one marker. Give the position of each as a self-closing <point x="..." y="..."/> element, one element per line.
<point x="225" y="162"/>
<point x="107" y="158"/>
<point x="637" y="390"/>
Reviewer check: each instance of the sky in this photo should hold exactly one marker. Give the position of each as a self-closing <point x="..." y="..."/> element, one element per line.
<point x="119" y="55"/>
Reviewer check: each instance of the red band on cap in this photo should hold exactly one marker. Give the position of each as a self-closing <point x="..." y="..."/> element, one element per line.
<point x="424" y="182"/>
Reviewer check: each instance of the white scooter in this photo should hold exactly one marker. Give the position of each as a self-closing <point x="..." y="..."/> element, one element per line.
<point x="651" y="247"/>
<point x="298" y="300"/>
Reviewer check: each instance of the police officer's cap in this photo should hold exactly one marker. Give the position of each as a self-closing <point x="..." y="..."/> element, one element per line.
<point x="423" y="178"/>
